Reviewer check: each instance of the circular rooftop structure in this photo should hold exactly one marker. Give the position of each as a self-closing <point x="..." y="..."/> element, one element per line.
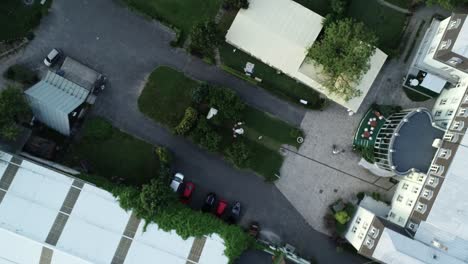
<point x="404" y="143"/>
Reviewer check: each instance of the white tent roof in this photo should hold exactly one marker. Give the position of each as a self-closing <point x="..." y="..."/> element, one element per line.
<point x="433" y="83"/>
<point x="281" y="39"/>
<point x="94" y="227"/>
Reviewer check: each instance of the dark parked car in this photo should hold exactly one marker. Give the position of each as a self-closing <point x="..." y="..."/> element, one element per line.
<point x="221" y="208"/>
<point x="186" y="196"/>
<point x="254" y="229"/>
<point x="210" y="201"/>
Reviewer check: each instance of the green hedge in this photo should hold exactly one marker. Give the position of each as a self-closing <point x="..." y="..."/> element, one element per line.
<point x="187" y="122"/>
<point x="185" y="221"/>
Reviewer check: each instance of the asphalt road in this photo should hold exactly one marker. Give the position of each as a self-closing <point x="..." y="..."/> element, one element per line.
<point x="127" y="47"/>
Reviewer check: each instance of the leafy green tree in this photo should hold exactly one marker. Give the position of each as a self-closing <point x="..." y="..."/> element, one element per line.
<point x="154" y="197"/>
<point x="205" y="135"/>
<point x="344" y="53"/>
<point x="239" y="154"/>
<point x="13" y="110"/>
<point x="205" y="37"/>
<point x="448" y="4"/>
<point x="236" y="4"/>
<point x="228" y="103"/>
<point x="200" y="93"/>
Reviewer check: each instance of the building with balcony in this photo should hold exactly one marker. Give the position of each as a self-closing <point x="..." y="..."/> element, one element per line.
<point x="428" y="219"/>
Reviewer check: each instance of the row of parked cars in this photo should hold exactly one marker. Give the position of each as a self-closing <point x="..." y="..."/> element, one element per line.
<point x="219" y="207"/>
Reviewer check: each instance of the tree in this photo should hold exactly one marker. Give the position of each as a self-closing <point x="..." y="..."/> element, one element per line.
<point x="228" y="103"/>
<point x="200" y="92"/>
<point x="448" y="4"/>
<point x="338" y="12"/>
<point x="206" y="136"/>
<point x="154" y="197"/>
<point x="164" y="155"/>
<point x="236" y="4"/>
<point x="342" y="217"/>
<point x="205" y="37"/>
<point x="13" y="110"/>
<point x="343" y="53"/>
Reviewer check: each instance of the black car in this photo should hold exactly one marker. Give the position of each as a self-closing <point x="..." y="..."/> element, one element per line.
<point x="209" y="203"/>
<point x="234" y="215"/>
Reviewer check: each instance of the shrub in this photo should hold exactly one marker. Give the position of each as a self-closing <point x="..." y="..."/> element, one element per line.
<point x="97" y="129"/>
<point x="342" y="217"/>
<point x="228" y="103"/>
<point x="238" y="153"/>
<point x="199" y="93"/>
<point x="205" y="37"/>
<point x="21" y="74"/>
<point x="13" y="110"/>
<point x="164" y="155"/>
<point x="154" y="198"/>
<point x="235" y="4"/>
<point x="206" y="136"/>
<point x="187" y="122"/>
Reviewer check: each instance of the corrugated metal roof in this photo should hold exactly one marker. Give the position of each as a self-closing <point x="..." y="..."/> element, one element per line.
<point x="53" y="98"/>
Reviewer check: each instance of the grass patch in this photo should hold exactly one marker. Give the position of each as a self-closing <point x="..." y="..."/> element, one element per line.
<point x="278" y="84"/>
<point x="171" y="87"/>
<point x="182" y="14"/>
<point x="415" y="96"/>
<point x="166" y="96"/>
<point x="113" y="154"/>
<point x="388" y="24"/>
<point x="18" y="19"/>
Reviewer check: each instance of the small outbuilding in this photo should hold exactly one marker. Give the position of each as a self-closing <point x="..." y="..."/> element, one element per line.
<point x="57" y="102"/>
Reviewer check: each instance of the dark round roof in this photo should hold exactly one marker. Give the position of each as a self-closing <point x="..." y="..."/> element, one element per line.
<point x="413" y="147"/>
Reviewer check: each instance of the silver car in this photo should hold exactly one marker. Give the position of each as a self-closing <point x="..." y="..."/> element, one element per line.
<point x="52" y="57"/>
<point x="177" y="181"/>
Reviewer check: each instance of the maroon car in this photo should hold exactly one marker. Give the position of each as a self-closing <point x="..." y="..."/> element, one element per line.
<point x="222" y="205"/>
<point x="187" y="193"/>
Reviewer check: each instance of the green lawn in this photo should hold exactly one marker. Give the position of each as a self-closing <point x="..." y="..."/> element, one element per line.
<point x="166" y="96"/>
<point x="173" y="91"/>
<point x="278" y="84"/>
<point x="387" y="23"/>
<point x="183" y="14"/>
<point x="114" y="154"/>
<point x="17" y="19"/>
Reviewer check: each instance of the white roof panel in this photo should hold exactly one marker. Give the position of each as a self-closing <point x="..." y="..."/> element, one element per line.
<point x="394" y="248"/>
<point x="433" y="83"/>
<point x="213" y="252"/>
<point x="276" y="37"/>
<point x="155" y="242"/>
<point x="16" y="249"/>
<point x="4" y="159"/>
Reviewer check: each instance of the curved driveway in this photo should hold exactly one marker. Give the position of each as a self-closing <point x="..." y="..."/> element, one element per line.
<point x="127" y="47"/>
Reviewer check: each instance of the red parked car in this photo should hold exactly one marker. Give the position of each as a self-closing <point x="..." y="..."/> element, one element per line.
<point x="187" y="193"/>
<point x="222" y="205"/>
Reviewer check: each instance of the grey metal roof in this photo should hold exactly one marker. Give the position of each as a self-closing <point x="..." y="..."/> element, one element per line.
<point x="79" y="73"/>
<point x="53" y="98"/>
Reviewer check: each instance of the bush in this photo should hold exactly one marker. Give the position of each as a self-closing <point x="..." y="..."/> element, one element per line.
<point x="97" y="129"/>
<point x="228" y="103"/>
<point x="205" y="37"/>
<point x="154" y="198"/>
<point x="199" y="93"/>
<point x="13" y="110"/>
<point x="188" y="121"/>
<point x="235" y="4"/>
<point x="238" y="153"/>
<point x="21" y="74"/>
<point x="164" y="155"/>
<point x="342" y="217"/>
<point x="206" y="136"/>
